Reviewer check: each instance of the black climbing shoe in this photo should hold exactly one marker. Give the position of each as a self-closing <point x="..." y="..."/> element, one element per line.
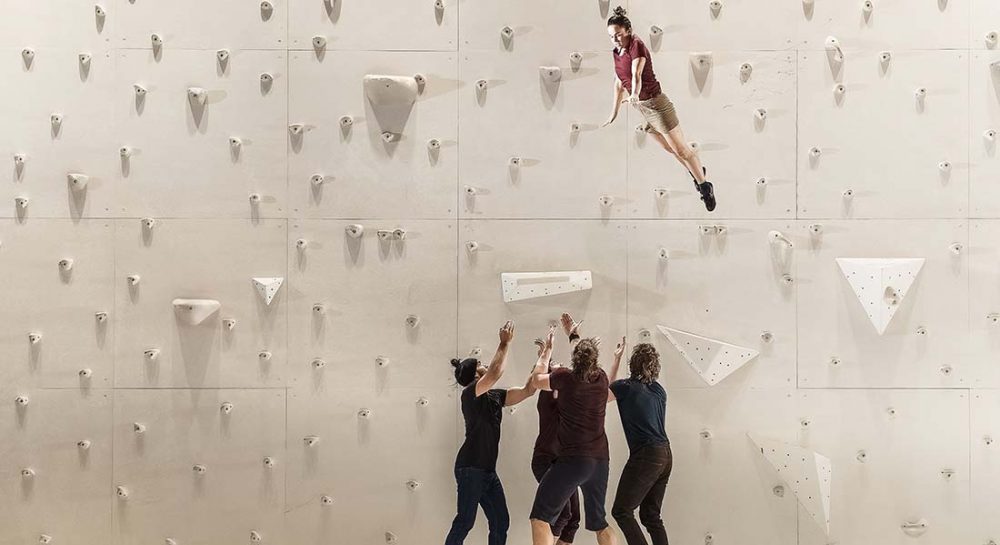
<point x="705" y="189"/>
<point x="707" y="195"/>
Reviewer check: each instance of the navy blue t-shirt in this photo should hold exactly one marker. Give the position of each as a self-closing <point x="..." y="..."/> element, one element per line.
<point x="643" y="409"/>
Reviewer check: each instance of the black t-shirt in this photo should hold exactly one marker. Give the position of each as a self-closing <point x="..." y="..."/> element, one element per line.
<point x="643" y="408"/>
<point x="482" y="428"/>
<point x="581" y="414"/>
<point x="547" y="443"/>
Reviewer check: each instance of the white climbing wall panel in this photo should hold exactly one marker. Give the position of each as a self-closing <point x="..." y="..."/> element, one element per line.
<point x="200" y="169"/>
<point x="906" y="149"/>
<point x="497" y="167"/>
<point x="923" y="346"/>
<point x="365" y="289"/>
<point x="692" y="287"/>
<point x="206" y="259"/>
<point x="364" y="176"/>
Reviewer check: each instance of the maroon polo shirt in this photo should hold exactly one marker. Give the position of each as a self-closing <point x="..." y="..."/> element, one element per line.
<point x="581" y="414"/>
<point x="623" y="68"/>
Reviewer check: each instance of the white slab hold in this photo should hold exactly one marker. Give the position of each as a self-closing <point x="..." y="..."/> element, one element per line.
<point x="712" y="359"/>
<point x="530" y="285"/>
<point x="268" y="287"/>
<point x="384" y="90"/>
<point x="880" y="284"/>
<point x="195" y="311"/>
<point x="809" y="474"/>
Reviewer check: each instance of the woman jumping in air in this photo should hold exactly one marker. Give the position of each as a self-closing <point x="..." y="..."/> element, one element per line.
<point x="636" y="84"/>
<point x="476" y="463"/>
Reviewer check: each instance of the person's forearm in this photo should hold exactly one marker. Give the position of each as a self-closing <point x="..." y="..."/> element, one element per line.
<point x="614" y="368"/>
<point x="496" y="367"/>
<point x="617" y="103"/>
<point x="636" y="85"/>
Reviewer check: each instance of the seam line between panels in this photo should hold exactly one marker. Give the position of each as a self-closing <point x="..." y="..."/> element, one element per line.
<point x="456" y="408"/>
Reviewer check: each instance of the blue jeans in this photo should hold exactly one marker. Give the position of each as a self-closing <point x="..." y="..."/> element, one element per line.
<point x="479" y="487"/>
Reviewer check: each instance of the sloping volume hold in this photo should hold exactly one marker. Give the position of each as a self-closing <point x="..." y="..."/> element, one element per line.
<point x="531" y="285"/>
<point x="712" y="359"/>
<point x="384" y="90"/>
<point x="195" y="311"/>
<point x="880" y="284"/>
<point x="809" y="474"/>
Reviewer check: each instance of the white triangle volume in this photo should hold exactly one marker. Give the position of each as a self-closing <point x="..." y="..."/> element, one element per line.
<point x="530" y="285"/>
<point x="268" y="287"/>
<point x="195" y="311"/>
<point x="809" y="474"/>
<point x="880" y="284"/>
<point x="712" y="359"/>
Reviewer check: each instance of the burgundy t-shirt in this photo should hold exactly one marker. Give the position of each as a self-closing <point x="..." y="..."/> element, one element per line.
<point x="547" y="443"/>
<point x="581" y="414"/>
<point x="623" y="68"/>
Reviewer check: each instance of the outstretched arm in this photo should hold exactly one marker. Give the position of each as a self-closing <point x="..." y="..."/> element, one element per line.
<point x="496" y="368"/>
<point x="517" y="395"/>
<point x="613" y="375"/>
<point x="616" y="102"/>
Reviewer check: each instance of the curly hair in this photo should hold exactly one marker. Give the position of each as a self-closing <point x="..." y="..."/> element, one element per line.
<point x="644" y="363"/>
<point x="584" y="359"/>
<point x="618" y="18"/>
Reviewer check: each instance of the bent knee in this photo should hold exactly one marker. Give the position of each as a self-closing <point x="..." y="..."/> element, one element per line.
<point x="622" y="513"/>
<point x="650" y="519"/>
<point x="685" y="152"/>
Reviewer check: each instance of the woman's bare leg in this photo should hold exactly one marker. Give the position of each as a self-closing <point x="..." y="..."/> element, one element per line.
<point x="668" y="145"/>
<point x="685" y="154"/>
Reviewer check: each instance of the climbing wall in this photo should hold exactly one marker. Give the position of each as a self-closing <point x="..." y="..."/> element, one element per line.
<point x="240" y="241"/>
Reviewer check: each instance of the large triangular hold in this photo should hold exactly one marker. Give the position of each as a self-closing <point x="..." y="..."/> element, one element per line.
<point x="529" y="285"/>
<point x="712" y="359"/>
<point x="880" y="284"/>
<point x="809" y="474"/>
<point x="391" y="90"/>
<point x="267" y="287"/>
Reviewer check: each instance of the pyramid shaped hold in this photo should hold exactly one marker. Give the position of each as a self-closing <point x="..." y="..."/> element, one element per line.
<point x="195" y="311"/>
<point x="880" y="284"/>
<point x="712" y="359"/>
<point x="384" y="90"/>
<point x="809" y="475"/>
<point x="268" y="287"/>
<point x="531" y="285"/>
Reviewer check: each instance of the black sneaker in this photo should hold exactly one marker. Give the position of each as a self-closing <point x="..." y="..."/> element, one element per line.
<point x="705" y="189"/>
<point x="707" y="195"/>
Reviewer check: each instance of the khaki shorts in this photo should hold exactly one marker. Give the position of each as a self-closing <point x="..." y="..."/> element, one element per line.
<point x="659" y="113"/>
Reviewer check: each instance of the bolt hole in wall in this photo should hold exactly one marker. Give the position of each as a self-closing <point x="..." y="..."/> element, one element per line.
<point x="242" y="241"/>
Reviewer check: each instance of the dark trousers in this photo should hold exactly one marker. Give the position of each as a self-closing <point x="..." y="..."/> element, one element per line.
<point x="565" y="527"/>
<point x="559" y="484"/>
<point x="643" y="484"/>
<point x="477" y="487"/>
